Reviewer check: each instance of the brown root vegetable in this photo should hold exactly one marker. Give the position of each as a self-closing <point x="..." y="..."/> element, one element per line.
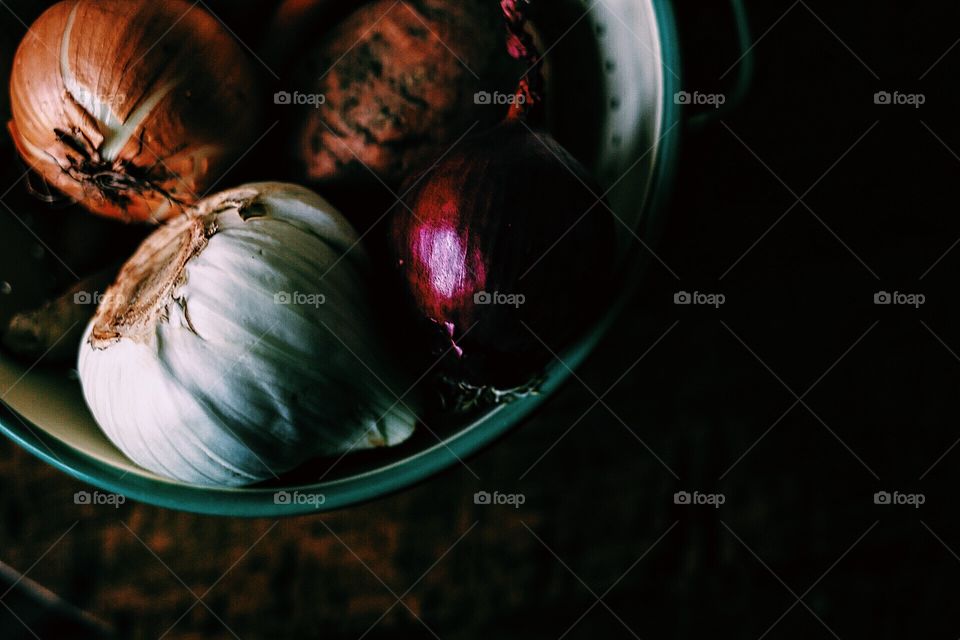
<point x="132" y="108"/>
<point x="53" y="331"/>
<point x="399" y="84"/>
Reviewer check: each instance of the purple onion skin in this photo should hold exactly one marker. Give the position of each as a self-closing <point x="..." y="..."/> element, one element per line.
<point x="508" y="212"/>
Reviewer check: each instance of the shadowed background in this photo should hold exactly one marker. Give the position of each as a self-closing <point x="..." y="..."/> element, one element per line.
<point x="712" y="407"/>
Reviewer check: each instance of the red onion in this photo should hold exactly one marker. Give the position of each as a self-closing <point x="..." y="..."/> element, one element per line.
<point x="505" y="245"/>
<point x="505" y="248"/>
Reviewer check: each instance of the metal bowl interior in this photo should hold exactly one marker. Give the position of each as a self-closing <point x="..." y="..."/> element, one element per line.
<point x="629" y="139"/>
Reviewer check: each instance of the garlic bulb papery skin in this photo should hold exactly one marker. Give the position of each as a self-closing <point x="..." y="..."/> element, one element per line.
<point x="239" y="342"/>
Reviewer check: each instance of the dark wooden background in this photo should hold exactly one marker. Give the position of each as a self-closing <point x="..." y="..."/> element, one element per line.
<point x="799" y="521"/>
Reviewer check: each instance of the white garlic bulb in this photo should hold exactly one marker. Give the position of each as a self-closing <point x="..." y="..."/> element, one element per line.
<point x="238" y="342"/>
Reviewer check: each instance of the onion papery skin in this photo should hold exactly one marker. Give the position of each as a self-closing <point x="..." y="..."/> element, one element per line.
<point x="399" y="87"/>
<point x="508" y="213"/>
<point x="198" y="372"/>
<point x="132" y="108"/>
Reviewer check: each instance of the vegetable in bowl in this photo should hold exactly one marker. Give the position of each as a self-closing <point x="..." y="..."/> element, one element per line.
<point x="240" y="341"/>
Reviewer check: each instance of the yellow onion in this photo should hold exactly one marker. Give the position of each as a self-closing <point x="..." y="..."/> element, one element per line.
<point x="133" y="108"/>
